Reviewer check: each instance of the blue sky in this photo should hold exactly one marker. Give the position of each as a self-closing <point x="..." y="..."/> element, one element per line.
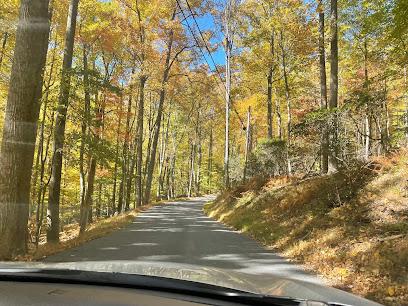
<point x="206" y="23"/>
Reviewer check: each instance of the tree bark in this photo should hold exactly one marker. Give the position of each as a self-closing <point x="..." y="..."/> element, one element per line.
<point x="152" y="159"/>
<point x="38" y="195"/>
<point x="279" y="117"/>
<point x="84" y="127"/>
<point x="3" y="47"/>
<point x="228" y="50"/>
<point x="288" y="104"/>
<point x="269" y="82"/>
<point x="139" y="141"/>
<point x="60" y="122"/>
<point x="334" y="87"/>
<point x="323" y="89"/>
<point x="20" y="125"/>
<point x="115" y="171"/>
<point x="248" y="133"/>
<point x="86" y="212"/>
<point x="210" y="159"/>
<point x="124" y="205"/>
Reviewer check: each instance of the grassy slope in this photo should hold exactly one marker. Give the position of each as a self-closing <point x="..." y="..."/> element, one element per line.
<point x="350" y="227"/>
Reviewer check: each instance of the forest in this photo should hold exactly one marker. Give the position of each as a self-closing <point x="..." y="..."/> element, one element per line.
<point x="108" y="105"/>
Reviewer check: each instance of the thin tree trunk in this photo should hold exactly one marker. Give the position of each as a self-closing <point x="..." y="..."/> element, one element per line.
<point x="125" y="153"/>
<point x="228" y="51"/>
<point x="199" y="162"/>
<point x="115" y="171"/>
<point x="334" y="87"/>
<point x="279" y="117"/>
<point x="323" y="90"/>
<point x="270" y="80"/>
<point x="84" y="132"/>
<point x="152" y="159"/>
<point x="162" y="157"/>
<point x="84" y="128"/>
<point x="210" y="157"/>
<point x="43" y="157"/>
<point x="89" y="194"/>
<point x="248" y="133"/>
<point x="149" y="143"/>
<point x="20" y="125"/>
<point x="3" y="47"/>
<point x="191" y="171"/>
<point x="40" y="150"/>
<point x="288" y="104"/>
<point x="368" y="114"/>
<point x="139" y="141"/>
<point x="60" y="122"/>
<point x="86" y="213"/>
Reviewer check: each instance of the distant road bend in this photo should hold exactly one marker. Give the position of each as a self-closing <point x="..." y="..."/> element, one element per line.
<point x="181" y="234"/>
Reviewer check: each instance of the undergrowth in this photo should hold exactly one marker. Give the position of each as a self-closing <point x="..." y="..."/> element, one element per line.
<point x="351" y="226"/>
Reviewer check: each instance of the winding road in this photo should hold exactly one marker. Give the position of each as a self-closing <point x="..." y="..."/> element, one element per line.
<point x="179" y="233"/>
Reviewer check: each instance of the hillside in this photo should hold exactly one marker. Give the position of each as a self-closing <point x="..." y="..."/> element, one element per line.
<point x="350" y="227"/>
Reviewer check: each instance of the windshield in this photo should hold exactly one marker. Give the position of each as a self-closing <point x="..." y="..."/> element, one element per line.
<point x="251" y="144"/>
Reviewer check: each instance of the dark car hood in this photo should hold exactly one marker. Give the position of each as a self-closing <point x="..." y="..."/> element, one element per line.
<point x="262" y="284"/>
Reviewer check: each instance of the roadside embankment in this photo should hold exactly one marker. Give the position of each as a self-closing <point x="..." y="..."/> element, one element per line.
<point x="351" y="226"/>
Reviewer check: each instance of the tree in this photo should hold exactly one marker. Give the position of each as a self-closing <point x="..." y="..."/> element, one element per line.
<point x="323" y="87"/>
<point x="169" y="61"/>
<point x="60" y="123"/>
<point x="334" y="86"/>
<point x="19" y="132"/>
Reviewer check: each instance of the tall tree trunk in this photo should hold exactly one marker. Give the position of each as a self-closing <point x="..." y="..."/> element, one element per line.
<point x="334" y="88"/>
<point x="125" y="153"/>
<point x="323" y="89"/>
<point x="210" y="158"/>
<point x="60" y="122"/>
<point x="41" y="137"/>
<point x="163" y="157"/>
<point x="228" y="51"/>
<point x="99" y="205"/>
<point x="369" y="113"/>
<point x="86" y="212"/>
<point x="115" y="171"/>
<point x="131" y="172"/>
<point x="84" y="127"/>
<point x="191" y="171"/>
<point x="150" y="128"/>
<point x="279" y="117"/>
<point x="387" y="117"/>
<point x="248" y="133"/>
<point x="270" y="80"/>
<point x="42" y="154"/>
<point x="199" y="162"/>
<point x="20" y="125"/>
<point x="152" y="159"/>
<point x="288" y="105"/>
<point x="139" y="141"/>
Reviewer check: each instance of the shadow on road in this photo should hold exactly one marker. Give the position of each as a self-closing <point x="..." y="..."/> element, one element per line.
<point x="180" y="233"/>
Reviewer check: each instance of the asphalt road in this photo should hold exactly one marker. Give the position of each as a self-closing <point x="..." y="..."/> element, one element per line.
<point x="181" y="234"/>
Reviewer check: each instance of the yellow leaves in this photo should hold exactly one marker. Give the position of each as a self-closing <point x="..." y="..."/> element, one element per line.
<point x="342" y="272"/>
<point x="391" y="291"/>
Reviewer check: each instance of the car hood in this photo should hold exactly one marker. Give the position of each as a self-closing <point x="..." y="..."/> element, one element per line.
<point x="254" y="283"/>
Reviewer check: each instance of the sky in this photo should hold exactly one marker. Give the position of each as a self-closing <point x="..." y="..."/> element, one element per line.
<point x="206" y="23"/>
